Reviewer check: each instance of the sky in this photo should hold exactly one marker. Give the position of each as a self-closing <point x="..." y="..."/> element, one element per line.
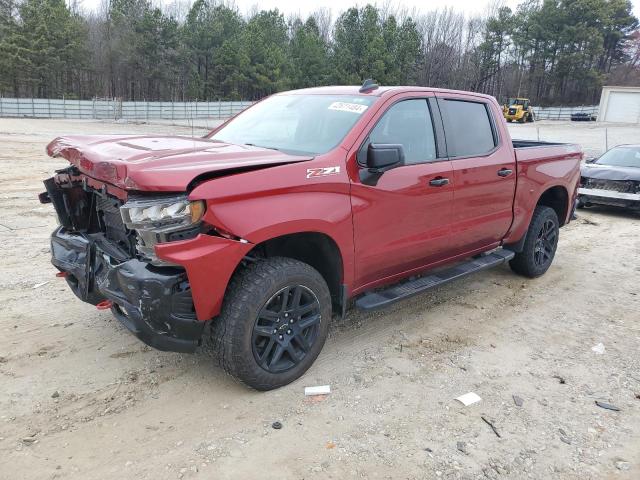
<point x="337" y="6"/>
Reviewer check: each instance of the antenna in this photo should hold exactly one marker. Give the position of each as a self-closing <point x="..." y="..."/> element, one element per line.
<point x="368" y="85"/>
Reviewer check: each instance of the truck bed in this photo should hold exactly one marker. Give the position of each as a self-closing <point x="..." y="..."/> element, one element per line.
<point x="534" y="143"/>
<point x="532" y="150"/>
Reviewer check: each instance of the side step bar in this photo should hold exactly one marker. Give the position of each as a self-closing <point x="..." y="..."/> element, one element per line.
<point x="382" y="298"/>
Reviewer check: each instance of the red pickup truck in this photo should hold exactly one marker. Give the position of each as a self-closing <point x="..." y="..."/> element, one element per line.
<point x="269" y="225"/>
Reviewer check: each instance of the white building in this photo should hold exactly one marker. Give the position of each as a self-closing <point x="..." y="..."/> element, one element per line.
<point x="620" y="104"/>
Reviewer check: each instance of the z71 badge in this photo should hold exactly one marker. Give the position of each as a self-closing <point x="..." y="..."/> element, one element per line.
<point x="322" y="171"/>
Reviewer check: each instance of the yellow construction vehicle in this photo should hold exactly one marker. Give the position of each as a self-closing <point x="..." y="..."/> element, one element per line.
<point x="518" y="109"/>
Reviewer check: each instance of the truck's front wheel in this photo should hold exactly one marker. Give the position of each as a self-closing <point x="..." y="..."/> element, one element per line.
<point x="273" y="324"/>
<point x="540" y="244"/>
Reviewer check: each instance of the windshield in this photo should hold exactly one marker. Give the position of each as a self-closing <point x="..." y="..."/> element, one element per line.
<point x="298" y="124"/>
<point x="621" y="157"/>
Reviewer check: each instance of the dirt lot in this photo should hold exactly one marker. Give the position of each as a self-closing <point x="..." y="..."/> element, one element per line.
<point x="81" y="398"/>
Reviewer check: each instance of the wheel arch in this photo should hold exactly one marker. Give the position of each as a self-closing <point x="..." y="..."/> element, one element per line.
<point x="556" y="197"/>
<point x="317" y="249"/>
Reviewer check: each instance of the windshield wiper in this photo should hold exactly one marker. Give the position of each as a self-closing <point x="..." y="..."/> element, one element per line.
<point x="262" y="146"/>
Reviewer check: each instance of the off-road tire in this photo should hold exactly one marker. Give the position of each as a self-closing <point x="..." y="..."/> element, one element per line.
<point x="231" y="340"/>
<point x="525" y="262"/>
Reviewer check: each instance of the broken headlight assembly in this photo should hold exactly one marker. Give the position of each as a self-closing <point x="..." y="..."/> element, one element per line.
<point x="160" y="219"/>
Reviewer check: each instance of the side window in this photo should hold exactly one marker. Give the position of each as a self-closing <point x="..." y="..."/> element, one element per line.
<point x="467" y="128"/>
<point x="407" y="123"/>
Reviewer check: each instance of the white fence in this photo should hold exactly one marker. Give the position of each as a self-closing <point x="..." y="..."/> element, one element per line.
<point x="113" y="109"/>
<point x="563" y="113"/>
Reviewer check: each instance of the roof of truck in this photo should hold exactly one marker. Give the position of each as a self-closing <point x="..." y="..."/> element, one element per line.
<point x="376" y="92"/>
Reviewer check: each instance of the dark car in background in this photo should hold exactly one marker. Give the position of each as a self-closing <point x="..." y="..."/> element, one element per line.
<point x="612" y="179"/>
<point x="583" y="117"/>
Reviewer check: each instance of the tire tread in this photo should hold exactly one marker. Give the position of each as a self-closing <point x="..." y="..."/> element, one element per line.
<point x="523" y="263"/>
<point x="246" y="286"/>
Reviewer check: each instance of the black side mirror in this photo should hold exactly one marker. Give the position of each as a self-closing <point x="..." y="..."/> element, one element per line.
<point x="384" y="156"/>
<point x="591" y="160"/>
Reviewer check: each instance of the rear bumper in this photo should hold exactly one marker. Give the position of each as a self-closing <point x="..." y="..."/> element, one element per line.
<point x="154" y="303"/>
<point x="609" y="197"/>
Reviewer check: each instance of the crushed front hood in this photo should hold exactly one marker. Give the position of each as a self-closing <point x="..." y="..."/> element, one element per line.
<point x="608" y="172"/>
<point x="159" y="163"/>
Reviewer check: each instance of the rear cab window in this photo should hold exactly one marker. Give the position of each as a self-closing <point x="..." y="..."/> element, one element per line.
<point x="469" y="127"/>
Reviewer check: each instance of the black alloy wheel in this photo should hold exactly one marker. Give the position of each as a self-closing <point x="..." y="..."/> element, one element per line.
<point x="286" y="328"/>
<point x="273" y="324"/>
<point x="540" y="245"/>
<point x="546" y="243"/>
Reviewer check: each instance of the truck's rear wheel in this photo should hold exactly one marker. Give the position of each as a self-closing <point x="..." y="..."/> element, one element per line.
<point x="540" y="244"/>
<point x="273" y="324"/>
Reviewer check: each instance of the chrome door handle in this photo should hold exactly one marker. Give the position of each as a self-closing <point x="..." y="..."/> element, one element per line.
<point x="439" y="182"/>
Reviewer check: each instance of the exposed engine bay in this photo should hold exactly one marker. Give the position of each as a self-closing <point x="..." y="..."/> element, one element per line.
<point x="104" y="247"/>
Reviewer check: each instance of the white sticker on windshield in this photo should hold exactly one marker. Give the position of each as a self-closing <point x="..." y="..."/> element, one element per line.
<point x="348" y="107"/>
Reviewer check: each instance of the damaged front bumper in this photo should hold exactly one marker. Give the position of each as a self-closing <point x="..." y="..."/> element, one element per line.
<point x="154" y="303"/>
<point x="609" y="197"/>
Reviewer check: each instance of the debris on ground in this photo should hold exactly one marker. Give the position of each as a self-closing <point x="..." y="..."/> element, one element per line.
<point x="561" y="380"/>
<point x="317" y="390"/>
<point x="564" y="437"/>
<point x="38" y="285"/>
<point x="608" y="406"/>
<point x="495" y="430"/>
<point x="276" y="425"/>
<point x="518" y="400"/>
<point x="599" y="348"/>
<point x="330" y="445"/>
<point x="462" y="447"/>
<point x="468" y="399"/>
<point x="623" y="465"/>
<point x="31" y="439"/>
<point x="315" y="399"/>
<point x="55" y="394"/>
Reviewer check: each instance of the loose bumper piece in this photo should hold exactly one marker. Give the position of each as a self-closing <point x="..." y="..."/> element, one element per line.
<point x="154" y="303"/>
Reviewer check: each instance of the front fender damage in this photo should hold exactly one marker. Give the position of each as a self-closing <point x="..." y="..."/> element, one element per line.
<point x="209" y="261"/>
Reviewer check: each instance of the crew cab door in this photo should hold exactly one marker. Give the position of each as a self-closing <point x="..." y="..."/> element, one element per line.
<point x="484" y="171"/>
<point x="401" y="217"/>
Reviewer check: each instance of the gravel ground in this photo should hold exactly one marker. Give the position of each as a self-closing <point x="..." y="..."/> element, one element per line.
<point x="82" y="398"/>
